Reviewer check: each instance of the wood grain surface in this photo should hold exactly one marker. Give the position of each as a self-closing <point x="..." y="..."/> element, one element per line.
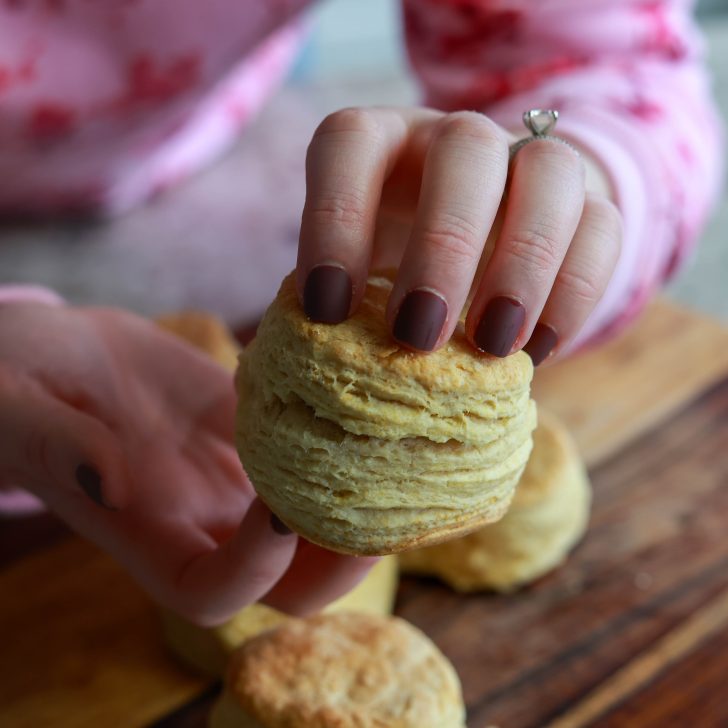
<point x="81" y="645"/>
<point x="632" y="631"/>
<point x="610" y="395"/>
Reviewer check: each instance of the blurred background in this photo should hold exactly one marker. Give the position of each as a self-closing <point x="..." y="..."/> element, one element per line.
<point x="157" y="258"/>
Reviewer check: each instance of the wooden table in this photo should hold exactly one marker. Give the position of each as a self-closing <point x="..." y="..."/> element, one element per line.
<point x="633" y="631"/>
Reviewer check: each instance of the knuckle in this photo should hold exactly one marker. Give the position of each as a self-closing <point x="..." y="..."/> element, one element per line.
<point x="537" y="249"/>
<point x="471" y="125"/>
<point x="354" y="120"/>
<point x="260" y="575"/>
<point x="468" y="123"/>
<point x="456" y="240"/>
<point x="342" y="207"/>
<point x="260" y="579"/>
<point x="582" y="286"/>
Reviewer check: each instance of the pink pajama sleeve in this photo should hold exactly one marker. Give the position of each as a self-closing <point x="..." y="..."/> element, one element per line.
<point x="104" y="104"/>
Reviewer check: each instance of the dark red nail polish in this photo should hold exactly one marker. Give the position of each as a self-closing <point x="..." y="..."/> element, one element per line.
<point x="90" y="481"/>
<point x="278" y="526"/>
<point x="327" y="294"/>
<point x="420" y="319"/>
<point x="542" y="341"/>
<point x="500" y="325"/>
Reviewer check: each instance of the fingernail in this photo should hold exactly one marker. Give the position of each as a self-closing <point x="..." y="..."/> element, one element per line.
<point x="90" y="481"/>
<point x="420" y="319"/>
<point x="327" y="294"/>
<point x="278" y="526"/>
<point x="542" y="341"/>
<point x="499" y="326"/>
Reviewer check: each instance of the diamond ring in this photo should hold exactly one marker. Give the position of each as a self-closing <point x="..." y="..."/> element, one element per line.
<point x="540" y="122"/>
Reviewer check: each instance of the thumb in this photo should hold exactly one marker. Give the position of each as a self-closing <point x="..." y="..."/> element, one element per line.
<point x="216" y="584"/>
<point x="56" y="451"/>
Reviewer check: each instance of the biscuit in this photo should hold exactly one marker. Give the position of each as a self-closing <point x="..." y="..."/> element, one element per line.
<point x="207" y="650"/>
<point x="364" y="447"/>
<point x="344" y="670"/>
<point x="548" y="516"/>
<point x="204" y="331"/>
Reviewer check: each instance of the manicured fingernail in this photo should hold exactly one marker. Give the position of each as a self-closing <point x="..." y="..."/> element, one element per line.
<point x="90" y="481"/>
<point x="542" y="341"/>
<point x="327" y="294"/>
<point x="278" y="526"/>
<point x="499" y="326"/>
<point x="420" y="319"/>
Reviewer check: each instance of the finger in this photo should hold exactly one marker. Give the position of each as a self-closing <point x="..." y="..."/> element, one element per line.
<point x="218" y="416"/>
<point x="315" y="578"/>
<point x="347" y="162"/>
<point x="462" y="185"/>
<point x="581" y="280"/>
<point x="63" y="455"/>
<point x="215" y="584"/>
<point x="543" y="208"/>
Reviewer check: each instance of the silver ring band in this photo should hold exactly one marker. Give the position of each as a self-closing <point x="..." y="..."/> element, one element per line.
<point x="540" y="122"/>
<point x="537" y="137"/>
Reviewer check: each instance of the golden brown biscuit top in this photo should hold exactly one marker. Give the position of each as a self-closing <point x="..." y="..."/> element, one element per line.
<point x="346" y="670"/>
<point x="355" y="374"/>
<point x="553" y="453"/>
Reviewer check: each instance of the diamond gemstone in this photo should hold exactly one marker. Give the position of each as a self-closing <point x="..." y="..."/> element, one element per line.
<point x="540" y="121"/>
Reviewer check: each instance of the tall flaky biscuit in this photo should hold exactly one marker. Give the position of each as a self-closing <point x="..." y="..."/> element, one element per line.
<point x="343" y="670"/>
<point x="548" y="516"/>
<point x="366" y="448"/>
<point x="208" y="649"/>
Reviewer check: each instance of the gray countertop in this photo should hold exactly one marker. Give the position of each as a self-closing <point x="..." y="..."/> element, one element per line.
<point x="191" y="247"/>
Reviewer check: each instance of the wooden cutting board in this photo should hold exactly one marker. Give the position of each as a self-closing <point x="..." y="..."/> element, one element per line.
<point x="648" y="588"/>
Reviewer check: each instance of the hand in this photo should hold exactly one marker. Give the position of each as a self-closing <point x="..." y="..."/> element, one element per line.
<point x="422" y="191"/>
<point x="126" y="433"/>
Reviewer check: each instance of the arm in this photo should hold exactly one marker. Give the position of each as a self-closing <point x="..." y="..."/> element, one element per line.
<point x="633" y="94"/>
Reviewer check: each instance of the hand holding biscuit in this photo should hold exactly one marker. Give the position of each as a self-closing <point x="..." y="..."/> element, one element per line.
<point x="422" y="190"/>
<point x="126" y="433"/>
